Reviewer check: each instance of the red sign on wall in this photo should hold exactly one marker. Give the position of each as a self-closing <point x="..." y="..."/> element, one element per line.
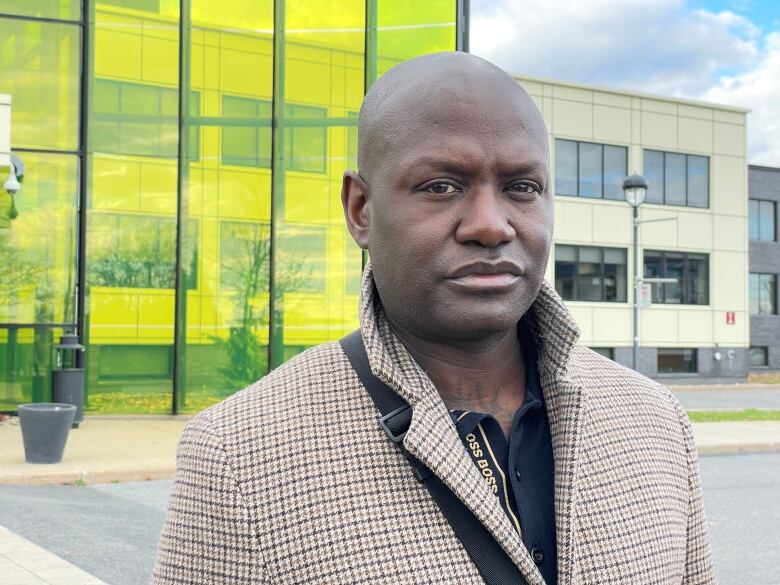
<point x="730" y="318"/>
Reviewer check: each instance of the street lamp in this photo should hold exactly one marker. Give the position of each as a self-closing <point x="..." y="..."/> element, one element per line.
<point x="635" y="190"/>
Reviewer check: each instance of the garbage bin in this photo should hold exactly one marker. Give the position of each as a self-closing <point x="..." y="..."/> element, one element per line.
<point x="45" y="428"/>
<point x="67" y="378"/>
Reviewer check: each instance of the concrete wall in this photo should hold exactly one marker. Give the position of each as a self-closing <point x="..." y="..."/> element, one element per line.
<point x="5" y="130"/>
<point x="639" y="121"/>
<point x="764" y="183"/>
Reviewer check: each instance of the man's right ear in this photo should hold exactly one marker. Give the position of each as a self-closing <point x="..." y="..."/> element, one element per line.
<point x="357" y="207"/>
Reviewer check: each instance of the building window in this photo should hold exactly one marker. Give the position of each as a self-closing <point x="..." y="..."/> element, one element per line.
<point x="676" y="361"/>
<point x="306" y="139"/>
<point x="758" y="357"/>
<point x="140" y="119"/>
<point x="145" y="5"/>
<point x="762" y="220"/>
<point x="585" y="169"/>
<point x="587" y="273"/>
<point x="607" y="352"/>
<point x="677" y="179"/>
<point x="763" y="294"/>
<point x="690" y="270"/>
<point x="139" y="251"/>
<point x="249" y="144"/>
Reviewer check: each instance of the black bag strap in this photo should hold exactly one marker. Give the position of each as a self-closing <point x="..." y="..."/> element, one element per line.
<point x="491" y="560"/>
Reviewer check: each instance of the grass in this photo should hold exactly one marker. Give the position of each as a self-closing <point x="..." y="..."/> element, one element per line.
<point x="764" y="378"/>
<point x="749" y="414"/>
<point x="144" y="403"/>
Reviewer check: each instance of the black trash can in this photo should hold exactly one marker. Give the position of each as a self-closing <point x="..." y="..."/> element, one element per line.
<point x="45" y="428"/>
<point x="67" y="378"/>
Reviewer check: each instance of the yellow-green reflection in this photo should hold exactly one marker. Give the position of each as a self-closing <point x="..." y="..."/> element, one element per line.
<point x="407" y="29"/>
<point x="131" y="255"/>
<point x="39" y="63"/>
<point x="228" y="192"/>
<point x="314" y="259"/>
<point x="60" y="9"/>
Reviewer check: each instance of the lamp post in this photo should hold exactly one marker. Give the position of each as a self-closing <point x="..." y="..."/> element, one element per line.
<point x="635" y="190"/>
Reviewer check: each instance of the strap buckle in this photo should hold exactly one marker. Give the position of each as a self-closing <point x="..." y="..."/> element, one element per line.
<point x="395" y="437"/>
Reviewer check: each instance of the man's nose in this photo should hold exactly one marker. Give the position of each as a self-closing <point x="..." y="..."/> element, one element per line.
<point x="484" y="219"/>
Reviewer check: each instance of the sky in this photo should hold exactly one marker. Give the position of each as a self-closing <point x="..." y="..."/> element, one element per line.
<point x="721" y="51"/>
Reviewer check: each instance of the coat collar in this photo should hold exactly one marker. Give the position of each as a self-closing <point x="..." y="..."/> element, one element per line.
<point x="433" y="439"/>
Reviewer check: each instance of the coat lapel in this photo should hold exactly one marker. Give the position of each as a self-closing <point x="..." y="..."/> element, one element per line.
<point x="433" y="439"/>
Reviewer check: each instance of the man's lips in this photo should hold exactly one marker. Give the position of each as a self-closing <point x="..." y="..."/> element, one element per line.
<point x="486" y="276"/>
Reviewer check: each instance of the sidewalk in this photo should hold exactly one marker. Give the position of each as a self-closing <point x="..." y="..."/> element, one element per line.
<point x="24" y="563"/>
<point x="107" y="449"/>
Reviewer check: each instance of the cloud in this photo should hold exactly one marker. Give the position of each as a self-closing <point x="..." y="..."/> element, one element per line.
<point x="663" y="47"/>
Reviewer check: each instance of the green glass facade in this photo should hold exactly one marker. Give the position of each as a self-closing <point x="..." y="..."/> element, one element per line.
<point x="181" y="205"/>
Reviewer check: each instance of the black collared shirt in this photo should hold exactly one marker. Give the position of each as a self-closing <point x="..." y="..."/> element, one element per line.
<point x="521" y="471"/>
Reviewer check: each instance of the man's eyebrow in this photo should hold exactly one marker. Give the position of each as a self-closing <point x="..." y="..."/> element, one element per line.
<point x="461" y="164"/>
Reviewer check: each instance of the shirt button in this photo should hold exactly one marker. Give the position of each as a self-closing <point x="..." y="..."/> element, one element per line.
<point x="537" y="554"/>
<point x="518" y="475"/>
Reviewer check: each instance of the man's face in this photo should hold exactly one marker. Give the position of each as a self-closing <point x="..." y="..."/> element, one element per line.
<point x="461" y="219"/>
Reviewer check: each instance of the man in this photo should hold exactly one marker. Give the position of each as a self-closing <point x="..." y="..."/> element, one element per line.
<point x="581" y="470"/>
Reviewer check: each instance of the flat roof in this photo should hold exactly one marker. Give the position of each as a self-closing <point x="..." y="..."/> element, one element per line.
<point x="632" y="93"/>
<point x="764" y="168"/>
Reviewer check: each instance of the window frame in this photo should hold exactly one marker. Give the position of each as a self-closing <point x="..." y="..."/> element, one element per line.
<point x="686" y="179"/>
<point x="602" y="273"/>
<point x="765" y="351"/>
<point x="774" y="279"/>
<point x="686" y="270"/>
<point x="758" y="215"/>
<point x="603" y="146"/>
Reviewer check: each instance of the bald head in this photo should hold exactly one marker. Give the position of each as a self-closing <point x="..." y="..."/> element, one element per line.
<point x="441" y="89"/>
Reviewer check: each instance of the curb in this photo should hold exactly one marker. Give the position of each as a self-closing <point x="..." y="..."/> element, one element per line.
<point x="739" y="449"/>
<point x="86" y="477"/>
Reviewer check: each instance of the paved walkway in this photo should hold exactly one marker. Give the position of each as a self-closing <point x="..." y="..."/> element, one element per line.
<point x="728" y="397"/>
<point x="106" y="449"/>
<point x="103" y="449"/>
<point x="24" y="563"/>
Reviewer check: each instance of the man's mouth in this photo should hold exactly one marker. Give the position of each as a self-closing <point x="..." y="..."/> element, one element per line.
<point x="486" y="276"/>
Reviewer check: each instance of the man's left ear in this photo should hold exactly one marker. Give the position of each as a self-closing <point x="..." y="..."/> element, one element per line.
<point x="357" y="207"/>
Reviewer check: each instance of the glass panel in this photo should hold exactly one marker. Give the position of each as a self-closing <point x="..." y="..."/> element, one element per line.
<point x="38" y="242"/>
<point x="607" y="352"/>
<point x="565" y="269"/>
<point x="674" y="179"/>
<point x="676" y="361"/>
<point x="654" y="173"/>
<point x="131" y="251"/>
<point x="755" y="293"/>
<point x="25" y="365"/>
<point x="767" y="304"/>
<point x="698" y="181"/>
<point x="766" y="222"/>
<point x="324" y="81"/>
<point x="615" y="279"/>
<point x="675" y="268"/>
<point x="758" y="357"/>
<point x="407" y="28"/>
<point x="228" y="194"/>
<point x="565" y="167"/>
<point x="615" y="170"/>
<point x="60" y="9"/>
<point x="590" y="170"/>
<point x="39" y="66"/>
<point x="589" y="278"/>
<point x="249" y="145"/>
<point x="696" y="286"/>
<point x="753" y="220"/>
<point x="654" y="268"/>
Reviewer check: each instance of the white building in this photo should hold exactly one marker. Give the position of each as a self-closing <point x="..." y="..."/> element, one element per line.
<point x="694" y="157"/>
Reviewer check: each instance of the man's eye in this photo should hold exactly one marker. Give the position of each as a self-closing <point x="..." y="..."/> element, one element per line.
<point x="441" y="188"/>
<point x="525" y="188"/>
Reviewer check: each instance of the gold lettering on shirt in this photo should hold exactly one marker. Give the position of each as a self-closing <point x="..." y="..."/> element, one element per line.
<point x="483" y="464"/>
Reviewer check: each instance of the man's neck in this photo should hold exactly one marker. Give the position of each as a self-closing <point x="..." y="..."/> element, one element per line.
<point x="481" y="377"/>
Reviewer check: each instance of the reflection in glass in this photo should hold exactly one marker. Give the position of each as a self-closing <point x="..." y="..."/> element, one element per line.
<point x="56" y="9"/>
<point x="615" y="170"/>
<point x="758" y="357"/>
<point x="676" y="361"/>
<point x="674" y="179"/>
<point x="590" y="170"/>
<point x="698" y="181"/>
<point x="39" y="66"/>
<point x="654" y="173"/>
<point x="565" y="167"/>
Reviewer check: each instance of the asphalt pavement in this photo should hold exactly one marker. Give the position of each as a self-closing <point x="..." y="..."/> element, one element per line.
<point x="111" y="530"/>
<point x="728" y="397"/>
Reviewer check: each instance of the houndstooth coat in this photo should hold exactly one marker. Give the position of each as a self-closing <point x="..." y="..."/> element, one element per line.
<point x="292" y="481"/>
